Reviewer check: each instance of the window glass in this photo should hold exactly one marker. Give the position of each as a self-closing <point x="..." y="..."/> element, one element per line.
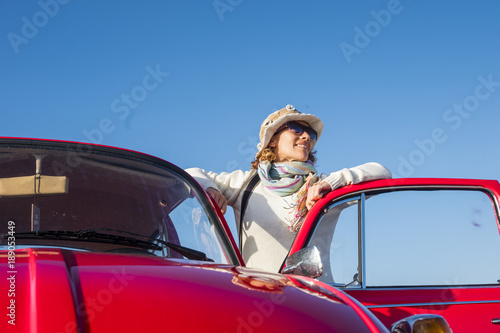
<point x="442" y="237"/>
<point x="195" y="231"/>
<point x="337" y="240"/>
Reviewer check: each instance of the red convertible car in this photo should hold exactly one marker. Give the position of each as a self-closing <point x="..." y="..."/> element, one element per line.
<point x="411" y="246"/>
<point x="100" y="239"/>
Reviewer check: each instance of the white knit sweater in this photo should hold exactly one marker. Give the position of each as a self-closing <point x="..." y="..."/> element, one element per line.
<point x="265" y="236"/>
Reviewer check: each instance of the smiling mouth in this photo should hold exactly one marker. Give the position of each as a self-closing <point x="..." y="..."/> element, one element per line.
<point x="303" y="146"/>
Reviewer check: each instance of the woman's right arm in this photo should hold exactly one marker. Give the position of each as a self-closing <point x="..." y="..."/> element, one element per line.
<point x="225" y="187"/>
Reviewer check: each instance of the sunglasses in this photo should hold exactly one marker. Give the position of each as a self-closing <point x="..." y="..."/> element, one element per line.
<point x="298" y="128"/>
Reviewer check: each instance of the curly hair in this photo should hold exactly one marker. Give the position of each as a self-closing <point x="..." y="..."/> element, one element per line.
<point x="267" y="154"/>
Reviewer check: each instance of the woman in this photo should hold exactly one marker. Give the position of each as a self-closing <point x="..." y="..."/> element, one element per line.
<point x="288" y="186"/>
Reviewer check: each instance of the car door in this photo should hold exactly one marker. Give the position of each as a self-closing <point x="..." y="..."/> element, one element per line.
<point x="405" y="250"/>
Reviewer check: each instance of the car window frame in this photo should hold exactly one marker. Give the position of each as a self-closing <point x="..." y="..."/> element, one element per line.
<point x="361" y="196"/>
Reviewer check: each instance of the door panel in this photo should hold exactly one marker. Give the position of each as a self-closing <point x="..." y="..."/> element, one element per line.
<point x="466" y="309"/>
<point x="426" y="251"/>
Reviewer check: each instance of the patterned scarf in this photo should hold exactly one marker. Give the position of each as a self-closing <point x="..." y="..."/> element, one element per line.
<point x="288" y="178"/>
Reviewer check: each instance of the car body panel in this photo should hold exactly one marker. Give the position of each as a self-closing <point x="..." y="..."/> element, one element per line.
<point x="68" y="291"/>
<point x="466" y="308"/>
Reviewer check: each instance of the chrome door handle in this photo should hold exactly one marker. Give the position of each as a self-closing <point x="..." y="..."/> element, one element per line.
<point x="495" y="321"/>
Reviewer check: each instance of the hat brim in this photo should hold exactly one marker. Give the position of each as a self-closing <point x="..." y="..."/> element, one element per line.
<point x="314" y="122"/>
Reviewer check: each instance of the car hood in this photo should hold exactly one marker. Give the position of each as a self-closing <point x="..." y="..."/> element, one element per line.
<point x="60" y="290"/>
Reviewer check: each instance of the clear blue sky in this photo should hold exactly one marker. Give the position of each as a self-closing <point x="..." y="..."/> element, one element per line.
<point x="414" y="85"/>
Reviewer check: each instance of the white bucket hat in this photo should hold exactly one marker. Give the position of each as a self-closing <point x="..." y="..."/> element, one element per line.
<point x="278" y="118"/>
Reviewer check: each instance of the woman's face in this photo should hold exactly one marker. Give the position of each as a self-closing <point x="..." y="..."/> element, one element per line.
<point x="289" y="146"/>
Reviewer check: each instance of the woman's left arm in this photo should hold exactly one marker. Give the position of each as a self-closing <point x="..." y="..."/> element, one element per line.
<point x="358" y="174"/>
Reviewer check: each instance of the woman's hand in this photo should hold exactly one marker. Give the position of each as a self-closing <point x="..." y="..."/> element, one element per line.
<point x="219" y="198"/>
<point x="316" y="192"/>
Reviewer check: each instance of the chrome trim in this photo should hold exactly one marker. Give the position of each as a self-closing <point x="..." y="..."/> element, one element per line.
<point x="336" y="203"/>
<point x="361" y="242"/>
<point x="427" y="323"/>
<point x="429" y="304"/>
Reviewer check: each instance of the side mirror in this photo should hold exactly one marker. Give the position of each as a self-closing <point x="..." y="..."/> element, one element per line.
<point x="426" y="323"/>
<point x="306" y="262"/>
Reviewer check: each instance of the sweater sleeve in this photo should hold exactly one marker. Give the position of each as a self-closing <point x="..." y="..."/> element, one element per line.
<point x="358" y="174"/>
<point x="230" y="184"/>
